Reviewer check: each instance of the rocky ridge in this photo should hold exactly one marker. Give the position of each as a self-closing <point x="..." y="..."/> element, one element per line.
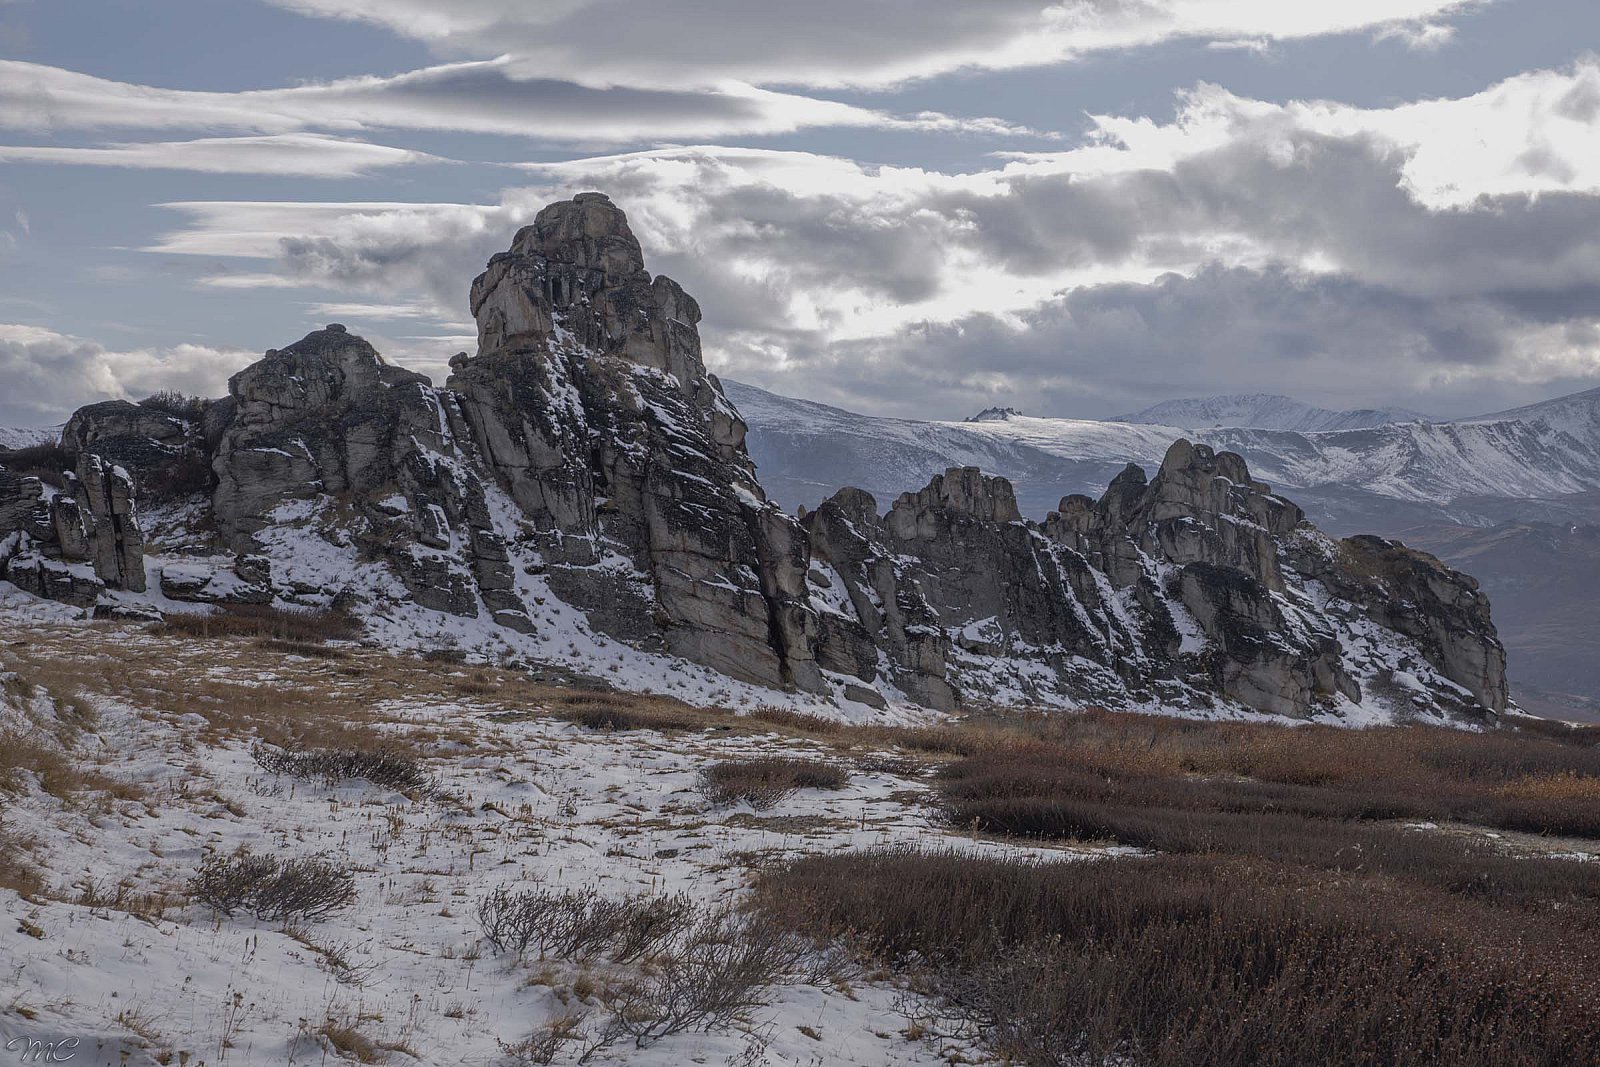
<point x="583" y="464"/>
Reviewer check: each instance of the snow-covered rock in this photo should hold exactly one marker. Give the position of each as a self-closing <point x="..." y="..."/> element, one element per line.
<point x="581" y="489"/>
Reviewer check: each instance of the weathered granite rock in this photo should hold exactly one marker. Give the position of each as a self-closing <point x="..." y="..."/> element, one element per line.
<point x="590" y="404"/>
<point x="116" y="544"/>
<point x="54" y="580"/>
<point x="51" y="541"/>
<point x="135" y="437"/>
<point x="1414" y="594"/>
<point x="584" y="453"/>
<point x="327" y="418"/>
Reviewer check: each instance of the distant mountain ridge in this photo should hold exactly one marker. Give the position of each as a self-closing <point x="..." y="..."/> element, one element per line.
<point x="1265" y="411"/>
<point x="1384" y="477"/>
<point x="1449" y="487"/>
<point x="26" y="436"/>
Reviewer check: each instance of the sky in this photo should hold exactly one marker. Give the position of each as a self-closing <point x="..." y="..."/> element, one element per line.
<point x="916" y="208"/>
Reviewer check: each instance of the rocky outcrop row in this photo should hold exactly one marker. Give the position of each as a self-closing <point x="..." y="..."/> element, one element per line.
<point x="583" y="453"/>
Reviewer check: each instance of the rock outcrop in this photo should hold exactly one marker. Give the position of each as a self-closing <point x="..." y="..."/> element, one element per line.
<point x="582" y="463"/>
<point x="590" y="404"/>
<point x="73" y="541"/>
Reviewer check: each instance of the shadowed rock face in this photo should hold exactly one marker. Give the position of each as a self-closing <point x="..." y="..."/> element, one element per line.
<point x="585" y="443"/>
<point x="72" y="543"/>
<point x="590" y="404"/>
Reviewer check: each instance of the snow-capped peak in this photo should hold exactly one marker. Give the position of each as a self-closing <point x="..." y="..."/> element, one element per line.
<point x="1264" y="411"/>
<point x="994" y="415"/>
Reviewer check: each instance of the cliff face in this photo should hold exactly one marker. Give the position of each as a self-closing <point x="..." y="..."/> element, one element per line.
<point x="584" y="457"/>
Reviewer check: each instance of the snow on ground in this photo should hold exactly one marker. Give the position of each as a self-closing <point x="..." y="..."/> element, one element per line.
<point x="532" y="800"/>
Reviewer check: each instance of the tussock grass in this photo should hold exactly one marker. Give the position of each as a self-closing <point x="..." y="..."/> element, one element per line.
<point x="1191" y="960"/>
<point x="603" y="710"/>
<point x="298" y="626"/>
<point x="762" y="783"/>
<point x="387" y="766"/>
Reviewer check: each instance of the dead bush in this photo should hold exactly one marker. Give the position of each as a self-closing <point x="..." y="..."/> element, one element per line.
<point x="580" y="925"/>
<point x="762" y="783"/>
<point x="382" y="767"/>
<point x="545" y="1044"/>
<point x="722" y="968"/>
<point x="273" y="888"/>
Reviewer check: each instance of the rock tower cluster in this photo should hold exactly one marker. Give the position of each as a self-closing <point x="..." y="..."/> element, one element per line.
<point x="584" y="452"/>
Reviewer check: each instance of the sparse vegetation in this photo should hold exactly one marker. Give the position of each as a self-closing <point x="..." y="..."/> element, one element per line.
<point x="581" y="925"/>
<point x="385" y="767"/>
<point x="176" y="404"/>
<point x="762" y="783"/>
<point x="300" y="625"/>
<point x="1168" y="961"/>
<point x="19" y="870"/>
<point x="722" y="968"/>
<point x="272" y="888"/>
<point x="47" y="462"/>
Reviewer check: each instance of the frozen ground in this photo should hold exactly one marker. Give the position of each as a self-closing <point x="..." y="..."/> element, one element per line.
<point x="110" y="953"/>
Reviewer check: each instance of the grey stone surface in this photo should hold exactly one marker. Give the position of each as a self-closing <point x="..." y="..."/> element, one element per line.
<point x="586" y="442"/>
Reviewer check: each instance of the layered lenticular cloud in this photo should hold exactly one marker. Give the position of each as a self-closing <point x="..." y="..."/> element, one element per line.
<point x="486" y="97"/>
<point x="812" y="255"/>
<point x="857" y="225"/>
<point x="847" y="43"/>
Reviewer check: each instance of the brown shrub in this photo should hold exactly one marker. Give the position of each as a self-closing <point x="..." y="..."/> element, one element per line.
<point x="764" y="782"/>
<point x="47" y="462"/>
<point x="598" y="709"/>
<point x="297" y="625"/>
<point x="273" y="888"/>
<point x="1174" y="961"/>
<point x="1315" y="827"/>
<point x="387" y="767"/>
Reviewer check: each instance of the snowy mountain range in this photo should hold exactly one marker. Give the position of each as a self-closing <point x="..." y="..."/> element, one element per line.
<point x="1512" y="497"/>
<point x="1265" y="411"/>
<point x="23" y="436"/>
<point x="1385" y="477"/>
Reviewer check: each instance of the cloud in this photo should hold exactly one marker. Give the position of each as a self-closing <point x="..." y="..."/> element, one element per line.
<point x="473" y="97"/>
<point x="293" y="154"/>
<point x="1323" y="241"/>
<point x="49" y="375"/>
<point x="835" y="43"/>
<point x="1100" y="349"/>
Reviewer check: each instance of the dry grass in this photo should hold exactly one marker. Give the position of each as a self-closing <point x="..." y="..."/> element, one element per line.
<point x="1505" y="781"/>
<point x="344" y="1036"/>
<point x="764" y="782"/>
<point x="19" y="869"/>
<point x="1179" y="961"/>
<point x="299" y="626"/>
